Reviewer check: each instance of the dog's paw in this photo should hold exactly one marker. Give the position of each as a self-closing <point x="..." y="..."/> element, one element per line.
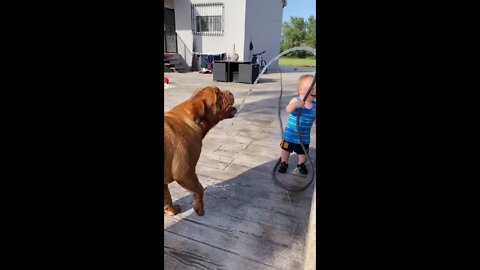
<point x="199" y="210"/>
<point x="172" y="211"/>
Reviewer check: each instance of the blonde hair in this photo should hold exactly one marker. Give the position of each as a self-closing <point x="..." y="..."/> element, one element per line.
<point x="302" y="79"/>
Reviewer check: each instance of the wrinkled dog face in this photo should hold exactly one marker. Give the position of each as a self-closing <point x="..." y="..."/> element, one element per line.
<point x="218" y="105"/>
<point x="224" y="101"/>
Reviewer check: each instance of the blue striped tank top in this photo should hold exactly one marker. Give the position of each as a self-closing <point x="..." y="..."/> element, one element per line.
<point x="307" y="117"/>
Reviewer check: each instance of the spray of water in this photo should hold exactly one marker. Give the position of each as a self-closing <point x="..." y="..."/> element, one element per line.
<point x="313" y="51"/>
<point x="308" y="49"/>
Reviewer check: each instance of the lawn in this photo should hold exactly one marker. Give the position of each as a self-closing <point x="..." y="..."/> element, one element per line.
<point x="297" y="62"/>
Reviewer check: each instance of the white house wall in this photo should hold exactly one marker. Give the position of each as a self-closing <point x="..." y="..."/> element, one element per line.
<point x="183" y="28"/>
<point x="263" y="27"/>
<point x="257" y="20"/>
<point x="234" y="28"/>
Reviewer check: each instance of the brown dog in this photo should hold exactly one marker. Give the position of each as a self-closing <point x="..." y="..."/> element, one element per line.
<point x="185" y="127"/>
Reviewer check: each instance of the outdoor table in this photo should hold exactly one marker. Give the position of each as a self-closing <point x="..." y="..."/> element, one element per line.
<point x="235" y="71"/>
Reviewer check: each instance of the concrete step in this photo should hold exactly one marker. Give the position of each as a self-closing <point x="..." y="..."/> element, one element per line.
<point x="182" y="69"/>
<point x="172" y="56"/>
<point x="175" y="62"/>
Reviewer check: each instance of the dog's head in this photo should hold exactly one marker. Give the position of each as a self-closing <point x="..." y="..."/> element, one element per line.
<point x="211" y="105"/>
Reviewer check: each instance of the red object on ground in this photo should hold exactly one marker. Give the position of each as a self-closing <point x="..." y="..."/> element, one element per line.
<point x="165" y="80"/>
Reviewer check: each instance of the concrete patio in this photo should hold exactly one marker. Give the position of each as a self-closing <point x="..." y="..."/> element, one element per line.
<point x="249" y="221"/>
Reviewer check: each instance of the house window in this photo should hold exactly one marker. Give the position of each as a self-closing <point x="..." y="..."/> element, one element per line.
<point x="207" y="19"/>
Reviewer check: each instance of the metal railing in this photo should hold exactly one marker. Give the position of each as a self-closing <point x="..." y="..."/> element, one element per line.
<point x="184" y="51"/>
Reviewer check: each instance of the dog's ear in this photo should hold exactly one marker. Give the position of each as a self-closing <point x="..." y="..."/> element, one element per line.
<point x="199" y="110"/>
<point x="198" y="105"/>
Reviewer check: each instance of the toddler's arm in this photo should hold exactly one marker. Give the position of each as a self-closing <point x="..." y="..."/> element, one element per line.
<point x="294" y="104"/>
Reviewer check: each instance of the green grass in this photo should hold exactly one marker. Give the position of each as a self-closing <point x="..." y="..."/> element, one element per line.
<point x="297" y="62"/>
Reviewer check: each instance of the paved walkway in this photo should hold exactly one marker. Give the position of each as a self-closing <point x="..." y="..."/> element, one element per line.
<point x="249" y="222"/>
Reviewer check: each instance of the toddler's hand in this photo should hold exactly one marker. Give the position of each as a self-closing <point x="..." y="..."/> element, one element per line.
<point x="300" y="104"/>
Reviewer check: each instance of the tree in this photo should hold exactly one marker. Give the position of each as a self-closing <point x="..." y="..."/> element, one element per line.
<point x="297" y="33"/>
<point x="311" y="38"/>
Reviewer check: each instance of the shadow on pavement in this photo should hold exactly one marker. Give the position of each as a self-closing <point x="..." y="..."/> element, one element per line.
<point x="249" y="222"/>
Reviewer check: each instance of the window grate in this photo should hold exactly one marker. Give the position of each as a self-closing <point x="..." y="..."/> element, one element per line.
<point x="208" y="19"/>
